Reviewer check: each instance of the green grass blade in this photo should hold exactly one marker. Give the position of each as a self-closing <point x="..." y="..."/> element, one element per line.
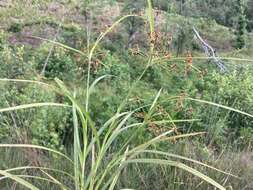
<point x="18" y="180"/>
<point x="219" y="105"/>
<point x="63" y="187"/>
<point x="151" y="17"/>
<point x="34" y="177"/>
<point x="175" y="121"/>
<point x="92" y="86"/>
<point x="202" y="58"/>
<point x="179" y="165"/>
<point x="39" y="168"/>
<point x="61" y="45"/>
<point x="43" y="84"/>
<point x="186" y="159"/>
<point x="108" y="31"/>
<point x="104" y="127"/>
<point x="93" y="49"/>
<point x="77" y="149"/>
<point x="116" y="177"/>
<point x="154" y="102"/>
<point x="33" y="105"/>
<point x="25" y="81"/>
<point x="36" y="147"/>
<point x="162" y="138"/>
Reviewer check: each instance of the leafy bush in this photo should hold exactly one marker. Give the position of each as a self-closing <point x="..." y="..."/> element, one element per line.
<point x="234" y="90"/>
<point x="47" y="126"/>
<point x="59" y="64"/>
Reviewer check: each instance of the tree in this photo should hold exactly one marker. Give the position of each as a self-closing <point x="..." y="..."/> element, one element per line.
<point x="249" y="14"/>
<point x="133" y="24"/>
<point x="241" y="25"/>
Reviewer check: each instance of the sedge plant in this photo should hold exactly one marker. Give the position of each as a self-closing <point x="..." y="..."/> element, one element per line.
<point x="97" y="163"/>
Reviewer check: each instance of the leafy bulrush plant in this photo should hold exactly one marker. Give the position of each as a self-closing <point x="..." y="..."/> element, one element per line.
<point x="95" y="166"/>
<point x="98" y="159"/>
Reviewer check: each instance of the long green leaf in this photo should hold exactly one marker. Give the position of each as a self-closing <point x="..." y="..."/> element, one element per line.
<point x="93" y="49"/>
<point x="179" y="165"/>
<point x="25" y="106"/>
<point x="60" y="44"/>
<point x="154" y="102"/>
<point x="24" y="81"/>
<point x="54" y="180"/>
<point x="18" y="180"/>
<point x="77" y="149"/>
<point x="187" y="159"/>
<point x="151" y="17"/>
<point x="219" y="105"/>
<point x="39" y="168"/>
<point x="92" y="86"/>
<point x="36" y="147"/>
<point x="115" y="179"/>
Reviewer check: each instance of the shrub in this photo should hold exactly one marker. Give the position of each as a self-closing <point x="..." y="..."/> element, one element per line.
<point x="46" y="126"/>
<point x="60" y="64"/>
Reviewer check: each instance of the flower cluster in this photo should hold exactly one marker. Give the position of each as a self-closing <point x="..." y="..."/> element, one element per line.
<point x="188" y="65"/>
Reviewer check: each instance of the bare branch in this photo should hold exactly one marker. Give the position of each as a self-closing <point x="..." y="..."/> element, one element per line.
<point x="210" y="52"/>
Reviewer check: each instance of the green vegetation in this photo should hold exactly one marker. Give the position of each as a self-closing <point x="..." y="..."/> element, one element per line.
<point x="241" y="25"/>
<point x="119" y="95"/>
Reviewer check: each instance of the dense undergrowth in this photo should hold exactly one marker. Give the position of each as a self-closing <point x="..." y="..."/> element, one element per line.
<point x="146" y="76"/>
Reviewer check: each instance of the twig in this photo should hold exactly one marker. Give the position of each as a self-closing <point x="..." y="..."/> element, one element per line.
<point x="210" y="52"/>
<point x="50" y="51"/>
